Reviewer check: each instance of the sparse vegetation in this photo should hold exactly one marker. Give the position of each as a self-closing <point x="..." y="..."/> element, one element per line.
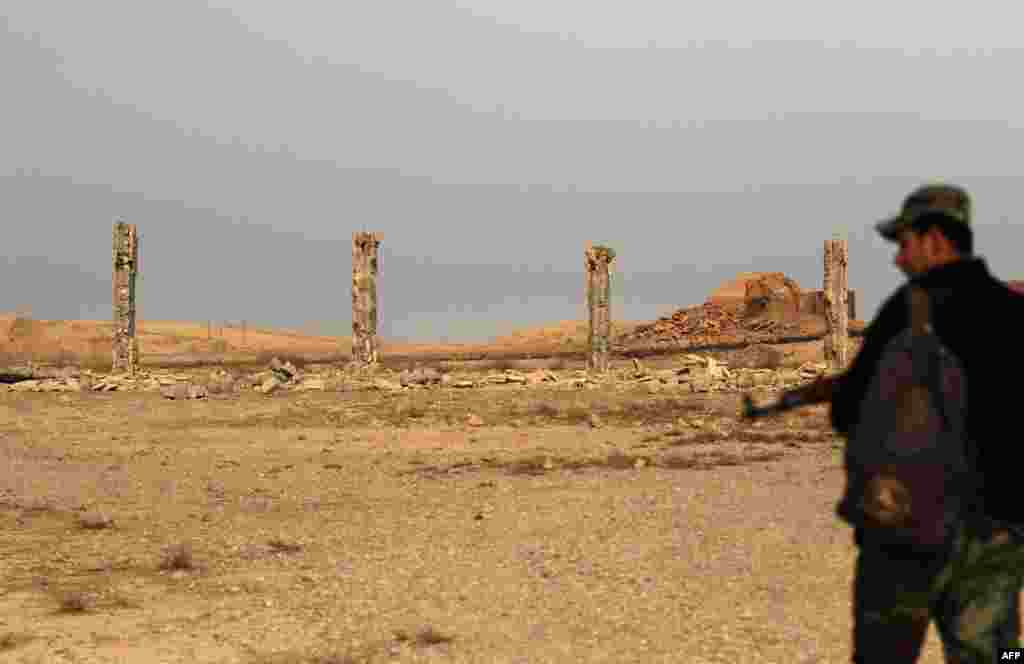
<point x="74" y="601"/>
<point x="544" y="409"/>
<point x="577" y="414"/>
<point x="178" y="557"/>
<point x="305" y="503"/>
<point x="430" y="636"/>
<point x="36" y="505"/>
<point x="407" y="409"/>
<point x="280" y="545"/>
<point x="11" y="640"/>
<point x="296" y="658"/>
<point x="95" y="521"/>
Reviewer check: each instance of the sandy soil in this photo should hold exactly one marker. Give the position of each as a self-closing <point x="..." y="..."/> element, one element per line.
<point x="166" y="343"/>
<point x="375" y="527"/>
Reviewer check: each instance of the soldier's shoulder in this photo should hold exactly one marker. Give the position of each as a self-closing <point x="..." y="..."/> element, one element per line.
<point x="893" y="310"/>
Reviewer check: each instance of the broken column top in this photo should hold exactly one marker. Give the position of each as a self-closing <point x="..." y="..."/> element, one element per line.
<point x="126" y="244"/>
<point x="363" y="238"/>
<point x="600" y="252"/>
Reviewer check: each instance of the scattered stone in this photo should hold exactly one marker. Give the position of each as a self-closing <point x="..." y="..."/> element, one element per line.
<point x="177" y="391"/>
<point x="95" y="521"/>
<point x="517" y="378"/>
<point x="196" y="391"/>
<point x="285" y="371"/>
<point x="269" y="385"/>
<point x="540" y="376"/>
<point x="312" y="384"/>
<point x="182" y="391"/>
<point x="694" y="374"/>
<point x="668" y="376"/>
<point x="387" y="385"/>
<point x="68" y="373"/>
<point x="758" y="356"/>
<point x="474" y="420"/>
<point x="420" y="376"/>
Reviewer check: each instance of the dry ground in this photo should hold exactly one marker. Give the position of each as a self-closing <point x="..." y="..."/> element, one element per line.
<point x="87" y="343"/>
<point x="322" y="528"/>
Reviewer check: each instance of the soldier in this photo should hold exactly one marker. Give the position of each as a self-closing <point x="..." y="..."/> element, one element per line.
<point x="972" y="589"/>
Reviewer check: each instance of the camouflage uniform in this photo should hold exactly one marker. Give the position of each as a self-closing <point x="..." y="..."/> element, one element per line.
<point x="972" y="593"/>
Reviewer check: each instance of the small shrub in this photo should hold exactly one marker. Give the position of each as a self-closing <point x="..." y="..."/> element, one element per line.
<point x="9" y="641"/>
<point x="577" y="414"/>
<point x="279" y="545"/>
<point x="429" y="636"/>
<point x="74" y="601"/>
<point x="680" y="462"/>
<point x="620" y="461"/>
<point x="545" y="409"/>
<point x="37" y="506"/>
<point x="536" y="465"/>
<point x="178" y="557"/>
<point x="95" y="521"/>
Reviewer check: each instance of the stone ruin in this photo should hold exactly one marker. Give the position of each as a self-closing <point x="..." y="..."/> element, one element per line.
<point x="773" y="294"/>
<point x="754" y="307"/>
<point x="126" y="268"/>
<point x="365" y="267"/>
<point x="692" y="374"/>
<point x="597" y="259"/>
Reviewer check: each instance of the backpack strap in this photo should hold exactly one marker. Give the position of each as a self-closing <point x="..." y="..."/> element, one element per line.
<point x="928" y="349"/>
<point x="933" y="380"/>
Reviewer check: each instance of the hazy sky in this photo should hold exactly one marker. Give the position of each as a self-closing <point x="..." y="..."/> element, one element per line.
<point x="487" y="141"/>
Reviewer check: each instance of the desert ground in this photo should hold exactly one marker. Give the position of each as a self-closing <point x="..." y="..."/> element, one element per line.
<point x="568" y="520"/>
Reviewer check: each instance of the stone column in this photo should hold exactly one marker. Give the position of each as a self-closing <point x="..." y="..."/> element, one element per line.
<point x="365" y="265"/>
<point x="837" y="308"/>
<point x="126" y="267"/>
<point x="597" y="260"/>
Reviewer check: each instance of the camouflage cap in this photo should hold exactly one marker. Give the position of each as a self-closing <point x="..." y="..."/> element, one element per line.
<point x="943" y="199"/>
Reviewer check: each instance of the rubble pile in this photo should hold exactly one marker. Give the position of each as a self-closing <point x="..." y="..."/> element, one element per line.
<point x="698" y="374"/>
<point x="756" y="307"/>
<point x="694" y="374"/>
<point x="708" y="324"/>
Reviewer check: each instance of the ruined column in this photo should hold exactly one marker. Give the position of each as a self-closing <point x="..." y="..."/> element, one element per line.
<point x="837" y="310"/>
<point x="365" y="266"/>
<point x="126" y="267"/>
<point x="597" y="261"/>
